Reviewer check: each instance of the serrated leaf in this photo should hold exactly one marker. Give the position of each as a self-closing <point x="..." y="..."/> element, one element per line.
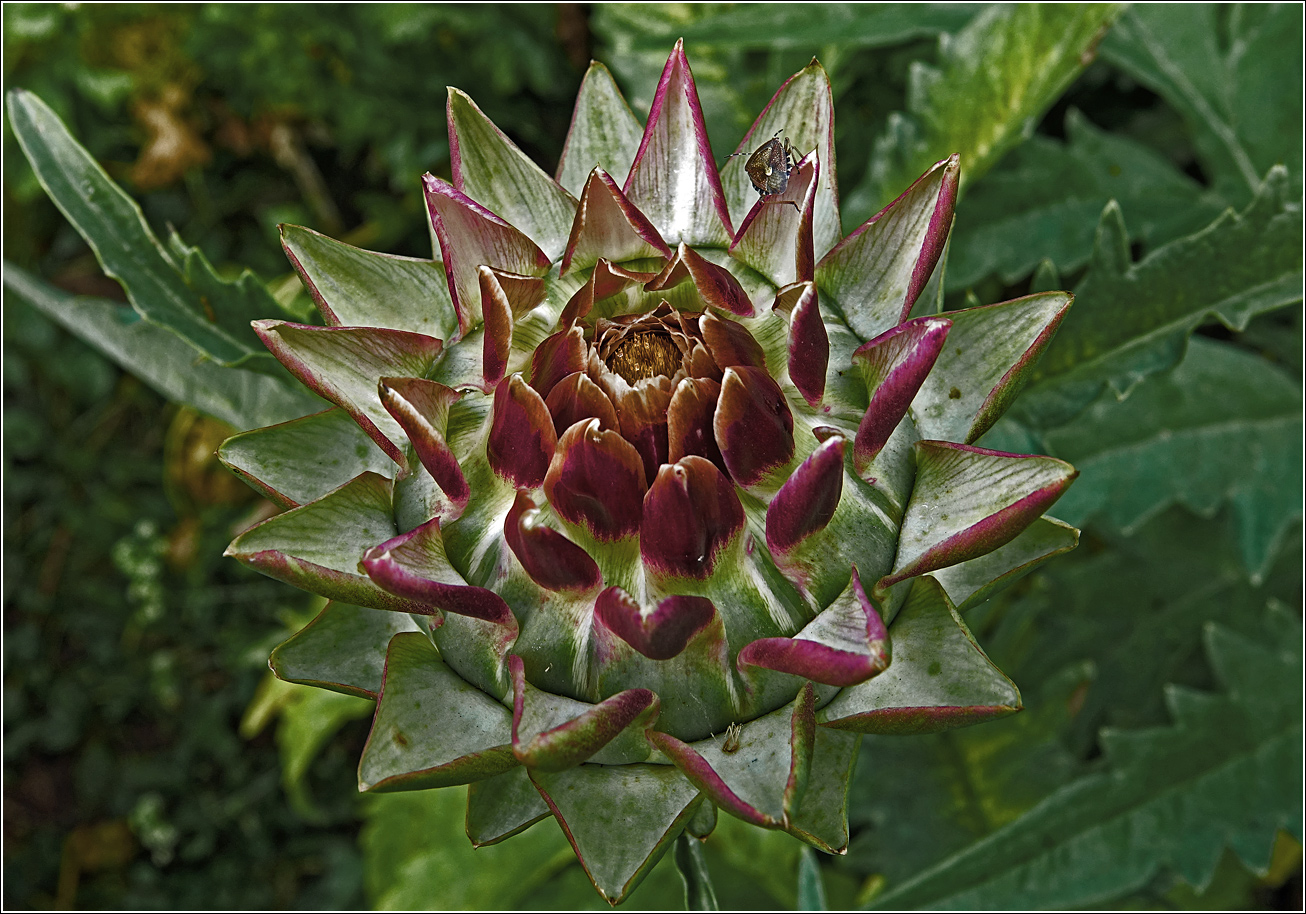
<point x="1133" y="319"/>
<point x="914" y="801"/>
<point x="996" y="78"/>
<point x="1224" y="425"/>
<point x="788" y="25"/>
<point x="1113" y="602"/>
<point x="1226" y="773"/>
<point x="231" y="304"/>
<point x="1234" y="73"/>
<point x="1043" y="201"/>
<point x="209" y="317"/>
<point x="243" y="399"/>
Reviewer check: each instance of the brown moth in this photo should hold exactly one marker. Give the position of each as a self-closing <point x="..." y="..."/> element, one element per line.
<point x="769" y="167"/>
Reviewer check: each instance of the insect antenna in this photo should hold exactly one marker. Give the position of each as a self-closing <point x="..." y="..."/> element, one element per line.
<point x="734" y="154"/>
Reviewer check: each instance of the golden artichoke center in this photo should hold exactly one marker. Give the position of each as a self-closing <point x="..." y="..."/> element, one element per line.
<point x="646" y="354"/>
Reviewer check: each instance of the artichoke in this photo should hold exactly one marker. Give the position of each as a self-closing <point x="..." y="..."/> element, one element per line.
<point x="627" y="515"/>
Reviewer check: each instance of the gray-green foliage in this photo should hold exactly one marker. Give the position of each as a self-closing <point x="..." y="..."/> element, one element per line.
<point x="167" y="292"/>
<point x="995" y="78"/>
<point x="243" y="399"/>
<point x="1169" y="796"/>
<point x="1152" y="645"/>
<point x="1134" y="319"/>
<point x="1224" y="425"/>
<point x="1225" y="68"/>
<point x="1042" y="203"/>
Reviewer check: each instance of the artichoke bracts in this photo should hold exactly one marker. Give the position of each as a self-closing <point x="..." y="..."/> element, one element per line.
<point x="650" y="495"/>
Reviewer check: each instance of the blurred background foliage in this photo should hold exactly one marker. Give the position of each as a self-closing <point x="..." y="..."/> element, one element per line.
<point x="151" y="761"/>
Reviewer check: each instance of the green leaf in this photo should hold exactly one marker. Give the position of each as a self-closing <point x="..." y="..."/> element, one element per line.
<point x="790" y="25"/>
<point x="1147" y="595"/>
<point x="811" y="888"/>
<point x="1232" y="888"/>
<point x="1043" y="202"/>
<point x="231" y="304"/>
<point x="1278" y="337"/>
<point x="1226" y="773"/>
<point x="308" y="721"/>
<point x="747" y="861"/>
<point x="1233" y="72"/>
<point x="207" y="316"/>
<point x="417" y="857"/>
<point x="243" y="399"/>
<point x="914" y="801"/>
<point x="1133" y="319"/>
<point x="1224" y="425"/>
<point x="996" y="78"/>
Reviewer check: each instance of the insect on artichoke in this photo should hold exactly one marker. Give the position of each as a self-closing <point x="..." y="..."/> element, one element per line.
<point x="644" y="498"/>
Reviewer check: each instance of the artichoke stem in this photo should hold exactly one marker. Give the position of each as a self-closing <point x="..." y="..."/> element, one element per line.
<point x="692" y="864"/>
